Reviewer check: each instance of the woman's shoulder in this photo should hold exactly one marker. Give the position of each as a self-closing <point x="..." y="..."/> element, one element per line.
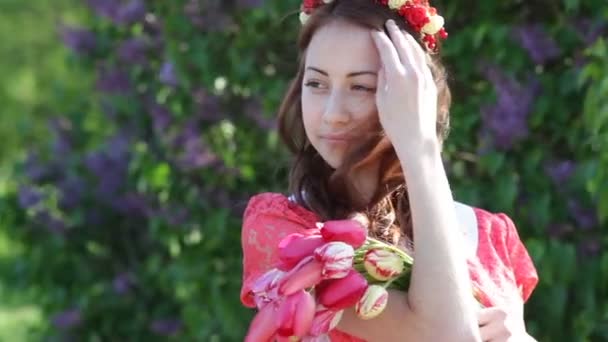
<point x="278" y="205"/>
<point x="498" y="226"/>
<point x="500" y="249"/>
<point x="494" y="231"/>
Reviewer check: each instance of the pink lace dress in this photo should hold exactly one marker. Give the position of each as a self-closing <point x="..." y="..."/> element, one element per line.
<point x="501" y="267"/>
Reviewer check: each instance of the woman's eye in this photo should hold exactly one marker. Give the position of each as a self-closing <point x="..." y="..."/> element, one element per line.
<point x="359" y="87"/>
<point x="312" y="84"/>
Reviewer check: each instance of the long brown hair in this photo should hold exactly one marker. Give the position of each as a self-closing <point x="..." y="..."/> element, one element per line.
<point x="328" y="192"/>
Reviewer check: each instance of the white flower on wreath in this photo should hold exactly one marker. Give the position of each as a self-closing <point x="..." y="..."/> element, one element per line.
<point x="434" y="25"/>
<point x="396" y="4"/>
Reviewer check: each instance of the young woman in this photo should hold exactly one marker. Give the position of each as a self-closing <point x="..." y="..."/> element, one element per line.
<point x="366" y="117"/>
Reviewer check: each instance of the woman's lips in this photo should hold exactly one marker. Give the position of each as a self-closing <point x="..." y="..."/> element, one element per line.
<point x="337" y="141"/>
<point x="336" y="137"/>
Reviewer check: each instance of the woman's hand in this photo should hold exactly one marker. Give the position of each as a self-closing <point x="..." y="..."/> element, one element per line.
<point x="496" y="325"/>
<point x="406" y="94"/>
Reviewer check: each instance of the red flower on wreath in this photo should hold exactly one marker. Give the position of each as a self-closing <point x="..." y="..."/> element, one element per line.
<point x="416" y="16"/>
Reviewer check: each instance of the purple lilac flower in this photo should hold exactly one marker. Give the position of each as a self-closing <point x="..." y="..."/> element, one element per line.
<point x="118" y="146"/>
<point x="67" y="319"/>
<point x="207" y="106"/>
<point x="208" y="16"/>
<point x="95" y="217"/>
<point x="110" y="184"/>
<point x="133" y="51"/>
<point x="506" y="120"/>
<point x="540" y="46"/>
<point x="588" y="30"/>
<point x="221" y="198"/>
<point x="253" y="110"/>
<point x="189" y="131"/>
<point x="113" y="80"/>
<point x="34" y="169"/>
<point x="62" y="143"/>
<point x="119" y="12"/>
<point x="559" y="229"/>
<point x="585" y="217"/>
<point x="123" y="283"/>
<point x="192" y="151"/>
<point x="131" y="12"/>
<point x="108" y="108"/>
<point x="81" y="41"/>
<point x="167" y="74"/>
<point x="51" y="223"/>
<point x="133" y="205"/>
<point x="161" y="117"/>
<point x="110" y="166"/>
<point x="105" y="8"/>
<point x="590" y="247"/>
<point x="71" y="192"/>
<point x="560" y="171"/>
<point x="175" y="216"/>
<point x="196" y="155"/>
<point x="166" y="327"/>
<point x="29" y="197"/>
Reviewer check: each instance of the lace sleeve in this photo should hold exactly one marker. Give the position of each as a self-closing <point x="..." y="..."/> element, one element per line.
<point x="267" y="219"/>
<point x="522" y="265"/>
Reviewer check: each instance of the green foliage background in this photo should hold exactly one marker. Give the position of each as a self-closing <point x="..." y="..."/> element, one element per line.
<point x="119" y="218"/>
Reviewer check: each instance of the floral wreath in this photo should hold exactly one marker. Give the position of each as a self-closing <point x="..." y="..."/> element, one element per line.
<point x="418" y="14"/>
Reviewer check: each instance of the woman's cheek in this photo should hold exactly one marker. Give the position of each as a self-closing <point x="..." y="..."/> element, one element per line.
<point x="312" y="108"/>
<point x="364" y="107"/>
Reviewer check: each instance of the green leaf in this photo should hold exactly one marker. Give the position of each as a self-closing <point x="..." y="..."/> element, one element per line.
<point x="571" y="5"/>
<point x="492" y="162"/>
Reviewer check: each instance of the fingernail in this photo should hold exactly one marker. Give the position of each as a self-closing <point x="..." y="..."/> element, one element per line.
<point x="391" y="22"/>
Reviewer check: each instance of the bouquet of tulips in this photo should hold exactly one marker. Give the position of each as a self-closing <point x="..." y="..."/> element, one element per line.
<point x="320" y="273"/>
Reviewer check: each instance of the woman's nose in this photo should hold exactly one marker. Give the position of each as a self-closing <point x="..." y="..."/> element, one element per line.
<point x="336" y="111"/>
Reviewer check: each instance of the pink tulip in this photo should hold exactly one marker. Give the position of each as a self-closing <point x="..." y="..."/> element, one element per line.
<point x="372" y="303"/>
<point x="265" y="288"/>
<point x="382" y="264"/>
<point x="348" y="231"/>
<point x="305" y="274"/>
<point x="320" y="338"/>
<point x="295" y="247"/>
<point x="338" y="294"/>
<point x="264" y="325"/>
<point x="324" y="321"/>
<point x="337" y="258"/>
<point x="296" y="313"/>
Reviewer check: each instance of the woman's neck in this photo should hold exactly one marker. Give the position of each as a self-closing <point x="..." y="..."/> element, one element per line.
<point x="365" y="181"/>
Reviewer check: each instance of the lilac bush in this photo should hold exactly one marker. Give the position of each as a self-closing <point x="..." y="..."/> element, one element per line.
<point x="131" y="214"/>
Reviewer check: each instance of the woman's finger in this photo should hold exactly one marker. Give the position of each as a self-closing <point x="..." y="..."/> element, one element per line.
<point x="382" y="86"/>
<point x="404" y="50"/>
<point x="420" y="57"/>
<point x="388" y="53"/>
<point x="494" y="332"/>
<point x="493" y="314"/>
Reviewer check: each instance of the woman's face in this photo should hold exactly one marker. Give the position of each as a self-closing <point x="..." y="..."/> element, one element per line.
<point x="338" y="89"/>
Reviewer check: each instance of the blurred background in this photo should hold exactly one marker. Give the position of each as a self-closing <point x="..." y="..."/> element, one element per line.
<point x="133" y="133"/>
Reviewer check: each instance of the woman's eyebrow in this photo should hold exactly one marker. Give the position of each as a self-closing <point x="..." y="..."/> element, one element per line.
<point x="352" y="74"/>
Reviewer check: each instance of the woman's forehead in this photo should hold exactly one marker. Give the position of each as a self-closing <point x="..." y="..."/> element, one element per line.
<point x="342" y="47"/>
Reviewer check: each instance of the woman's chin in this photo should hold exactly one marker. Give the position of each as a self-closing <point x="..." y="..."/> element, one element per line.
<point x="333" y="162"/>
